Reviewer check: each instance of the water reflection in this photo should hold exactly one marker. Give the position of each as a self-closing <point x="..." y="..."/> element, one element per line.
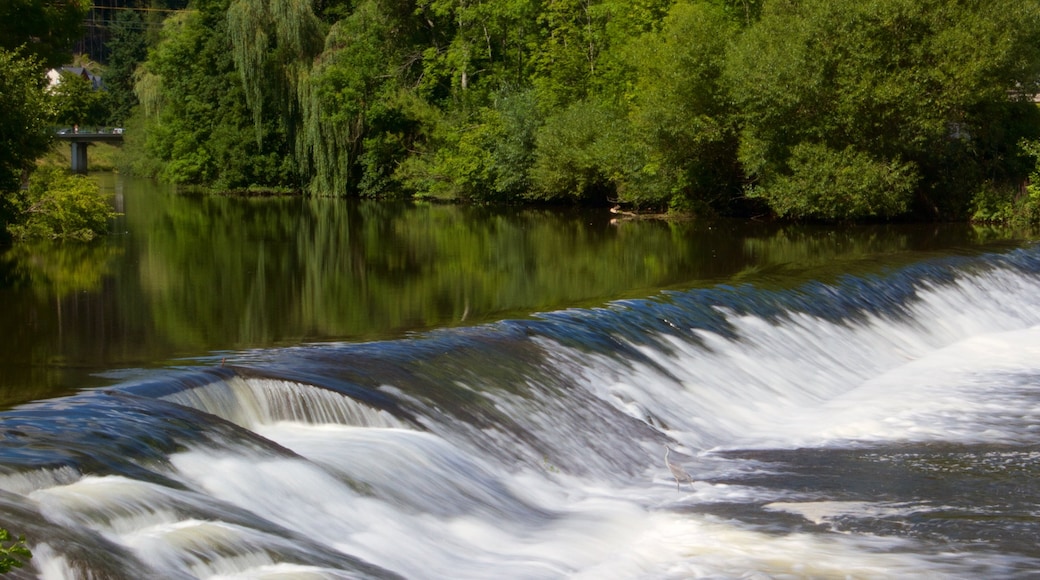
<point x="189" y="275"/>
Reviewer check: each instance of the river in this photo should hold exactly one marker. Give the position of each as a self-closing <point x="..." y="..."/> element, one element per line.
<point x="311" y="388"/>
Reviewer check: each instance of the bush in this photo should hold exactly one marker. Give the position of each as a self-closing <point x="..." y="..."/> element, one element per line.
<point x="580" y="154"/>
<point x="12" y="556"/>
<point x="59" y="205"/>
<point x="826" y="184"/>
<point x="1011" y="205"/>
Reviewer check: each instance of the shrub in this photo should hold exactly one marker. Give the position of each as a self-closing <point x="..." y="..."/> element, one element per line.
<point x="58" y="205"/>
<point x="1015" y="205"/>
<point x="12" y="556"/>
<point x="826" y="184"/>
<point x="580" y="153"/>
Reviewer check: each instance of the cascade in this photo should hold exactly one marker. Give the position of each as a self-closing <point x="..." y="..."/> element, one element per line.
<point x="873" y="423"/>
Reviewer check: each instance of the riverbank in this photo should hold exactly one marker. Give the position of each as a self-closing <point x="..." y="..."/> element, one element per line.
<point x="103" y="156"/>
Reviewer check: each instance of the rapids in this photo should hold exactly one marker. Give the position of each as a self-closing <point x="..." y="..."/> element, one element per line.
<point x="876" y="426"/>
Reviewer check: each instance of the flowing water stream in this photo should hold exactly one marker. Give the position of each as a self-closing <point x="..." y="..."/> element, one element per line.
<point x="871" y="425"/>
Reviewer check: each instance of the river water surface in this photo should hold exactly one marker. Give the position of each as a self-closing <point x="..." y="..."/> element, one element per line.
<point x="288" y="388"/>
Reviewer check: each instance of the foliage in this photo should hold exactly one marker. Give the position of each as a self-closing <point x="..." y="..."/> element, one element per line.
<point x="349" y="93"/>
<point x="1030" y="206"/>
<point x="899" y="80"/>
<point x="13" y="555"/>
<point x="77" y="102"/>
<point x="193" y="115"/>
<point x="24" y="125"/>
<point x="273" y="42"/>
<point x="844" y="185"/>
<point x="127" y="48"/>
<point x="580" y="151"/>
<point x="45" y="28"/>
<point x="486" y="158"/>
<point x="59" y="205"/>
<point x="684" y="104"/>
<point x="680" y="116"/>
<point x="1004" y="205"/>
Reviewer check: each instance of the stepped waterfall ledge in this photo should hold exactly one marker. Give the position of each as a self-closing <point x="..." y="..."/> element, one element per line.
<point x="877" y="425"/>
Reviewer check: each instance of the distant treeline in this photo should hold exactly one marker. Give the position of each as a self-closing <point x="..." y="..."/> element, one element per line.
<point x="805" y="109"/>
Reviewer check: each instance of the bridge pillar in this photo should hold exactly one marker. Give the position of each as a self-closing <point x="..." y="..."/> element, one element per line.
<point x="79" y="157"/>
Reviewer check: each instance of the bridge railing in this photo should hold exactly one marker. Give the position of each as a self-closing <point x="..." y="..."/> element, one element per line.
<point x="79" y="139"/>
<point x="89" y="130"/>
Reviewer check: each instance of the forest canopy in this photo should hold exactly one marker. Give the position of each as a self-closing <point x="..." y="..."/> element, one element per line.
<point x="808" y="109"/>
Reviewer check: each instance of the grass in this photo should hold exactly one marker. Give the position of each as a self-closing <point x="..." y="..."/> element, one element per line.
<point x="100" y="156"/>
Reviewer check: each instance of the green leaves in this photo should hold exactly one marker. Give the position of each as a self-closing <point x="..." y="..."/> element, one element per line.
<point x="196" y="124"/>
<point x="45" y="28"/>
<point x="24" y="125"/>
<point x="58" y="205"/>
<point x="77" y="102"/>
<point x="902" y="82"/>
<point x="127" y="49"/>
<point x="13" y="552"/>
<point x="680" y="114"/>
<point x="829" y="184"/>
<point x="653" y="103"/>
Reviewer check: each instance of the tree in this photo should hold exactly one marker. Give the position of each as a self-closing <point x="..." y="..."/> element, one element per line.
<point x="24" y="125"/>
<point x="484" y="156"/>
<point x="59" y="205"/>
<point x="197" y="127"/>
<point x="580" y="154"/>
<point x="580" y="55"/>
<point x="683" y="124"/>
<point x="926" y="88"/>
<point x="46" y="28"/>
<point x="127" y="49"/>
<point x="77" y="102"/>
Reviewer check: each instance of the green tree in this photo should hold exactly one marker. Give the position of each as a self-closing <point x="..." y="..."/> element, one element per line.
<point x="683" y="125"/>
<point x="927" y="88"/>
<point x="580" y="53"/>
<point x="581" y="153"/>
<point x="195" y="123"/>
<point x="24" y="126"/>
<point x="476" y="45"/>
<point x="59" y="205"/>
<point x="46" y="28"/>
<point x="351" y="90"/>
<point x="840" y="185"/>
<point x="77" y="102"/>
<point x="485" y="156"/>
<point x="127" y="49"/>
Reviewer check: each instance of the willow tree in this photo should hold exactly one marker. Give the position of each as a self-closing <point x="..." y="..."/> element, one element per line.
<point x="332" y="87"/>
<point x="274" y="43"/>
<point x="193" y="125"/>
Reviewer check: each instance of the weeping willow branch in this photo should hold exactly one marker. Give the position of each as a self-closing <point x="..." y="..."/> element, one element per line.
<point x="148" y="88"/>
<point x="323" y="149"/>
<point x="274" y="43"/>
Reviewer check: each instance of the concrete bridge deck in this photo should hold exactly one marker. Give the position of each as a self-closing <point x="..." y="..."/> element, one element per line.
<point x="80" y="140"/>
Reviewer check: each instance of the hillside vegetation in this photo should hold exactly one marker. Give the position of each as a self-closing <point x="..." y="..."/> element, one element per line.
<point x="806" y="109"/>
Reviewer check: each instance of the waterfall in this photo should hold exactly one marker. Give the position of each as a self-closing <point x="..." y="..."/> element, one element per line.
<point x="870" y="426"/>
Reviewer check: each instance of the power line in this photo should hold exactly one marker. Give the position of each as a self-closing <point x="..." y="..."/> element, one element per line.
<point x="96" y="7"/>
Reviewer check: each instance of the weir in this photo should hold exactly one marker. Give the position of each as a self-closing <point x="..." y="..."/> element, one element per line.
<point x="880" y="425"/>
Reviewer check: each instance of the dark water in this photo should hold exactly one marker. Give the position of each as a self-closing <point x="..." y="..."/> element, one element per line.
<point x="188" y="276"/>
<point x="279" y="388"/>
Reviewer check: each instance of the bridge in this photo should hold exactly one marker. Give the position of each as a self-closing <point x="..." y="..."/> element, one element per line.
<point x="81" y="139"/>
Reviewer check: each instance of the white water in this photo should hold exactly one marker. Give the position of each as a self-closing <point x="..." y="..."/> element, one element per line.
<point x="441" y="502"/>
